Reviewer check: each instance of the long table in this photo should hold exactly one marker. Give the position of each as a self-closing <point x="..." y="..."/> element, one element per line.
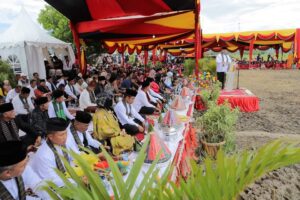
<point x="182" y="148"/>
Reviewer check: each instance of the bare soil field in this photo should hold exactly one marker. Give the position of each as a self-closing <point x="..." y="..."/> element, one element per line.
<point x="278" y="118"/>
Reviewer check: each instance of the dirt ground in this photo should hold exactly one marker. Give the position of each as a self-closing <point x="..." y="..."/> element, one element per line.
<point x="278" y="118"/>
<point x="279" y="94"/>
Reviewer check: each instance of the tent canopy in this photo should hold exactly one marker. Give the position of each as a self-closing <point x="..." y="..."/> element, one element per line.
<point x="23" y="29"/>
<point x="25" y="46"/>
<point x="129" y="21"/>
<point x="237" y="41"/>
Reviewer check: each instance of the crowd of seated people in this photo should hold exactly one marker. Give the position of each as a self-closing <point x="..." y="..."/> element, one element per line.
<point x="261" y="64"/>
<point x="105" y="108"/>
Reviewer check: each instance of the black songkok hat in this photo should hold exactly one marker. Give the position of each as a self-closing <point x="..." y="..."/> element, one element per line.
<point x="101" y="78"/>
<point x="25" y="90"/>
<point x="130" y="92"/>
<point x="11" y="152"/>
<point x="56" y="124"/>
<point x="83" y="117"/>
<point x="41" y="101"/>
<point x="57" y="93"/>
<point x="71" y="78"/>
<point x="145" y="84"/>
<point x="6" y="107"/>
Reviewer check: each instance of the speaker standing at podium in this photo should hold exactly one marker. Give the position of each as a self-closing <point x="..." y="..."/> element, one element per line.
<point x="223" y="62"/>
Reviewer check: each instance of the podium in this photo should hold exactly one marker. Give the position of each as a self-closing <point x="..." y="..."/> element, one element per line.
<point x="229" y="84"/>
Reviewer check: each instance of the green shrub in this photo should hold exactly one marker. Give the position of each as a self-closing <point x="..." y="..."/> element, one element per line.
<point x="189" y="67"/>
<point x="217" y="122"/>
<point x="6" y="73"/>
<point x="220" y="179"/>
<point x="208" y="65"/>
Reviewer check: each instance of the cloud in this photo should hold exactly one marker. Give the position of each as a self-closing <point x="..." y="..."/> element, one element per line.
<point x="245" y="15"/>
<point x="216" y="15"/>
<point x="10" y="9"/>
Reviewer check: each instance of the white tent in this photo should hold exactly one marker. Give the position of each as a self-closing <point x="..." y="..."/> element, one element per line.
<point x="25" y="45"/>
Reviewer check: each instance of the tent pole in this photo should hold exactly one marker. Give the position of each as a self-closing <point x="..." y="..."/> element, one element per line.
<point x="198" y="41"/>
<point x="251" y="46"/>
<point x="77" y="44"/>
<point x="297" y="47"/>
<point x="146" y="57"/>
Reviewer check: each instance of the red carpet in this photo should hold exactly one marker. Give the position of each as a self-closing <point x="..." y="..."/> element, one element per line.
<point x="242" y="98"/>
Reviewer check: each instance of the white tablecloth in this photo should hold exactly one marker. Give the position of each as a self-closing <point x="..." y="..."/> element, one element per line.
<point x="172" y="144"/>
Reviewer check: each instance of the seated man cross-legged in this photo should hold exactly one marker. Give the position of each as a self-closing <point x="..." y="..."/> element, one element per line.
<point x="129" y="118"/>
<point x="142" y="103"/>
<point x="78" y="136"/>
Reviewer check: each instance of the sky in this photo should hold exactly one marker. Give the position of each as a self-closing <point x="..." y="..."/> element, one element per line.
<point x="216" y="15"/>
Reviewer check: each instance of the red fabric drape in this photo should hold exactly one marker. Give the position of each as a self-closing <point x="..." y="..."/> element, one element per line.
<point x="226" y="39"/>
<point x="266" y="37"/>
<point x="285" y="38"/>
<point x="131" y="50"/>
<point x="243" y="102"/>
<point x="113" y="8"/>
<point x="246" y="37"/>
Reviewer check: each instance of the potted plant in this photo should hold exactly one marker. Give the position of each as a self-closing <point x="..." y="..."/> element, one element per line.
<point x="210" y="95"/>
<point x="216" y="125"/>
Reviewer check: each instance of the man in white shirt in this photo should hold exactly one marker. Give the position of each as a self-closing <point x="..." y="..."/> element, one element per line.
<point x="16" y="177"/>
<point x="50" y="84"/>
<point x="47" y="158"/>
<point x="67" y="65"/>
<point x="142" y="102"/>
<point x="32" y="87"/>
<point x="23" y="81"/>
<point x="130" y="119"/>
<point x="12" y="94"/>
<point x="57" y="108"/>
<point x="70" y="88"/>
<point x="87" y="97"/>
<point x="22" y="102"/>
<point x="62" y="80"/>
<point x="81" y="85"/>
<point x="223" y="62"/>
<point x="23" y="107"/>
<point x="78" y="136"/>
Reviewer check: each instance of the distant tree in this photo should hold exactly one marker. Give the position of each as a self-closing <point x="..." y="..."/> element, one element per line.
<point x="6" y="73"/>
<point x="56" y="23"/>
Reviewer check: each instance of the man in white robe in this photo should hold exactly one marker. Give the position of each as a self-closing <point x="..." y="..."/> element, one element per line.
<point x="223" y="62"/>
<point x="47" y="158"/>
<point x="57" y="108"/>
<point x="16" y="176"/>
<point x="142" y="102"/>
<point x="70" y="88"/>
<point x="22" y="102"/>
<point x="13" y="93"/>
<point x="87" y="97"/>
<point x="129" y="118"/>
<point x="78" y="135"/>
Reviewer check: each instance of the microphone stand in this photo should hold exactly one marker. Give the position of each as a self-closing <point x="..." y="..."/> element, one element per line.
<point x="238" y="79"/>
